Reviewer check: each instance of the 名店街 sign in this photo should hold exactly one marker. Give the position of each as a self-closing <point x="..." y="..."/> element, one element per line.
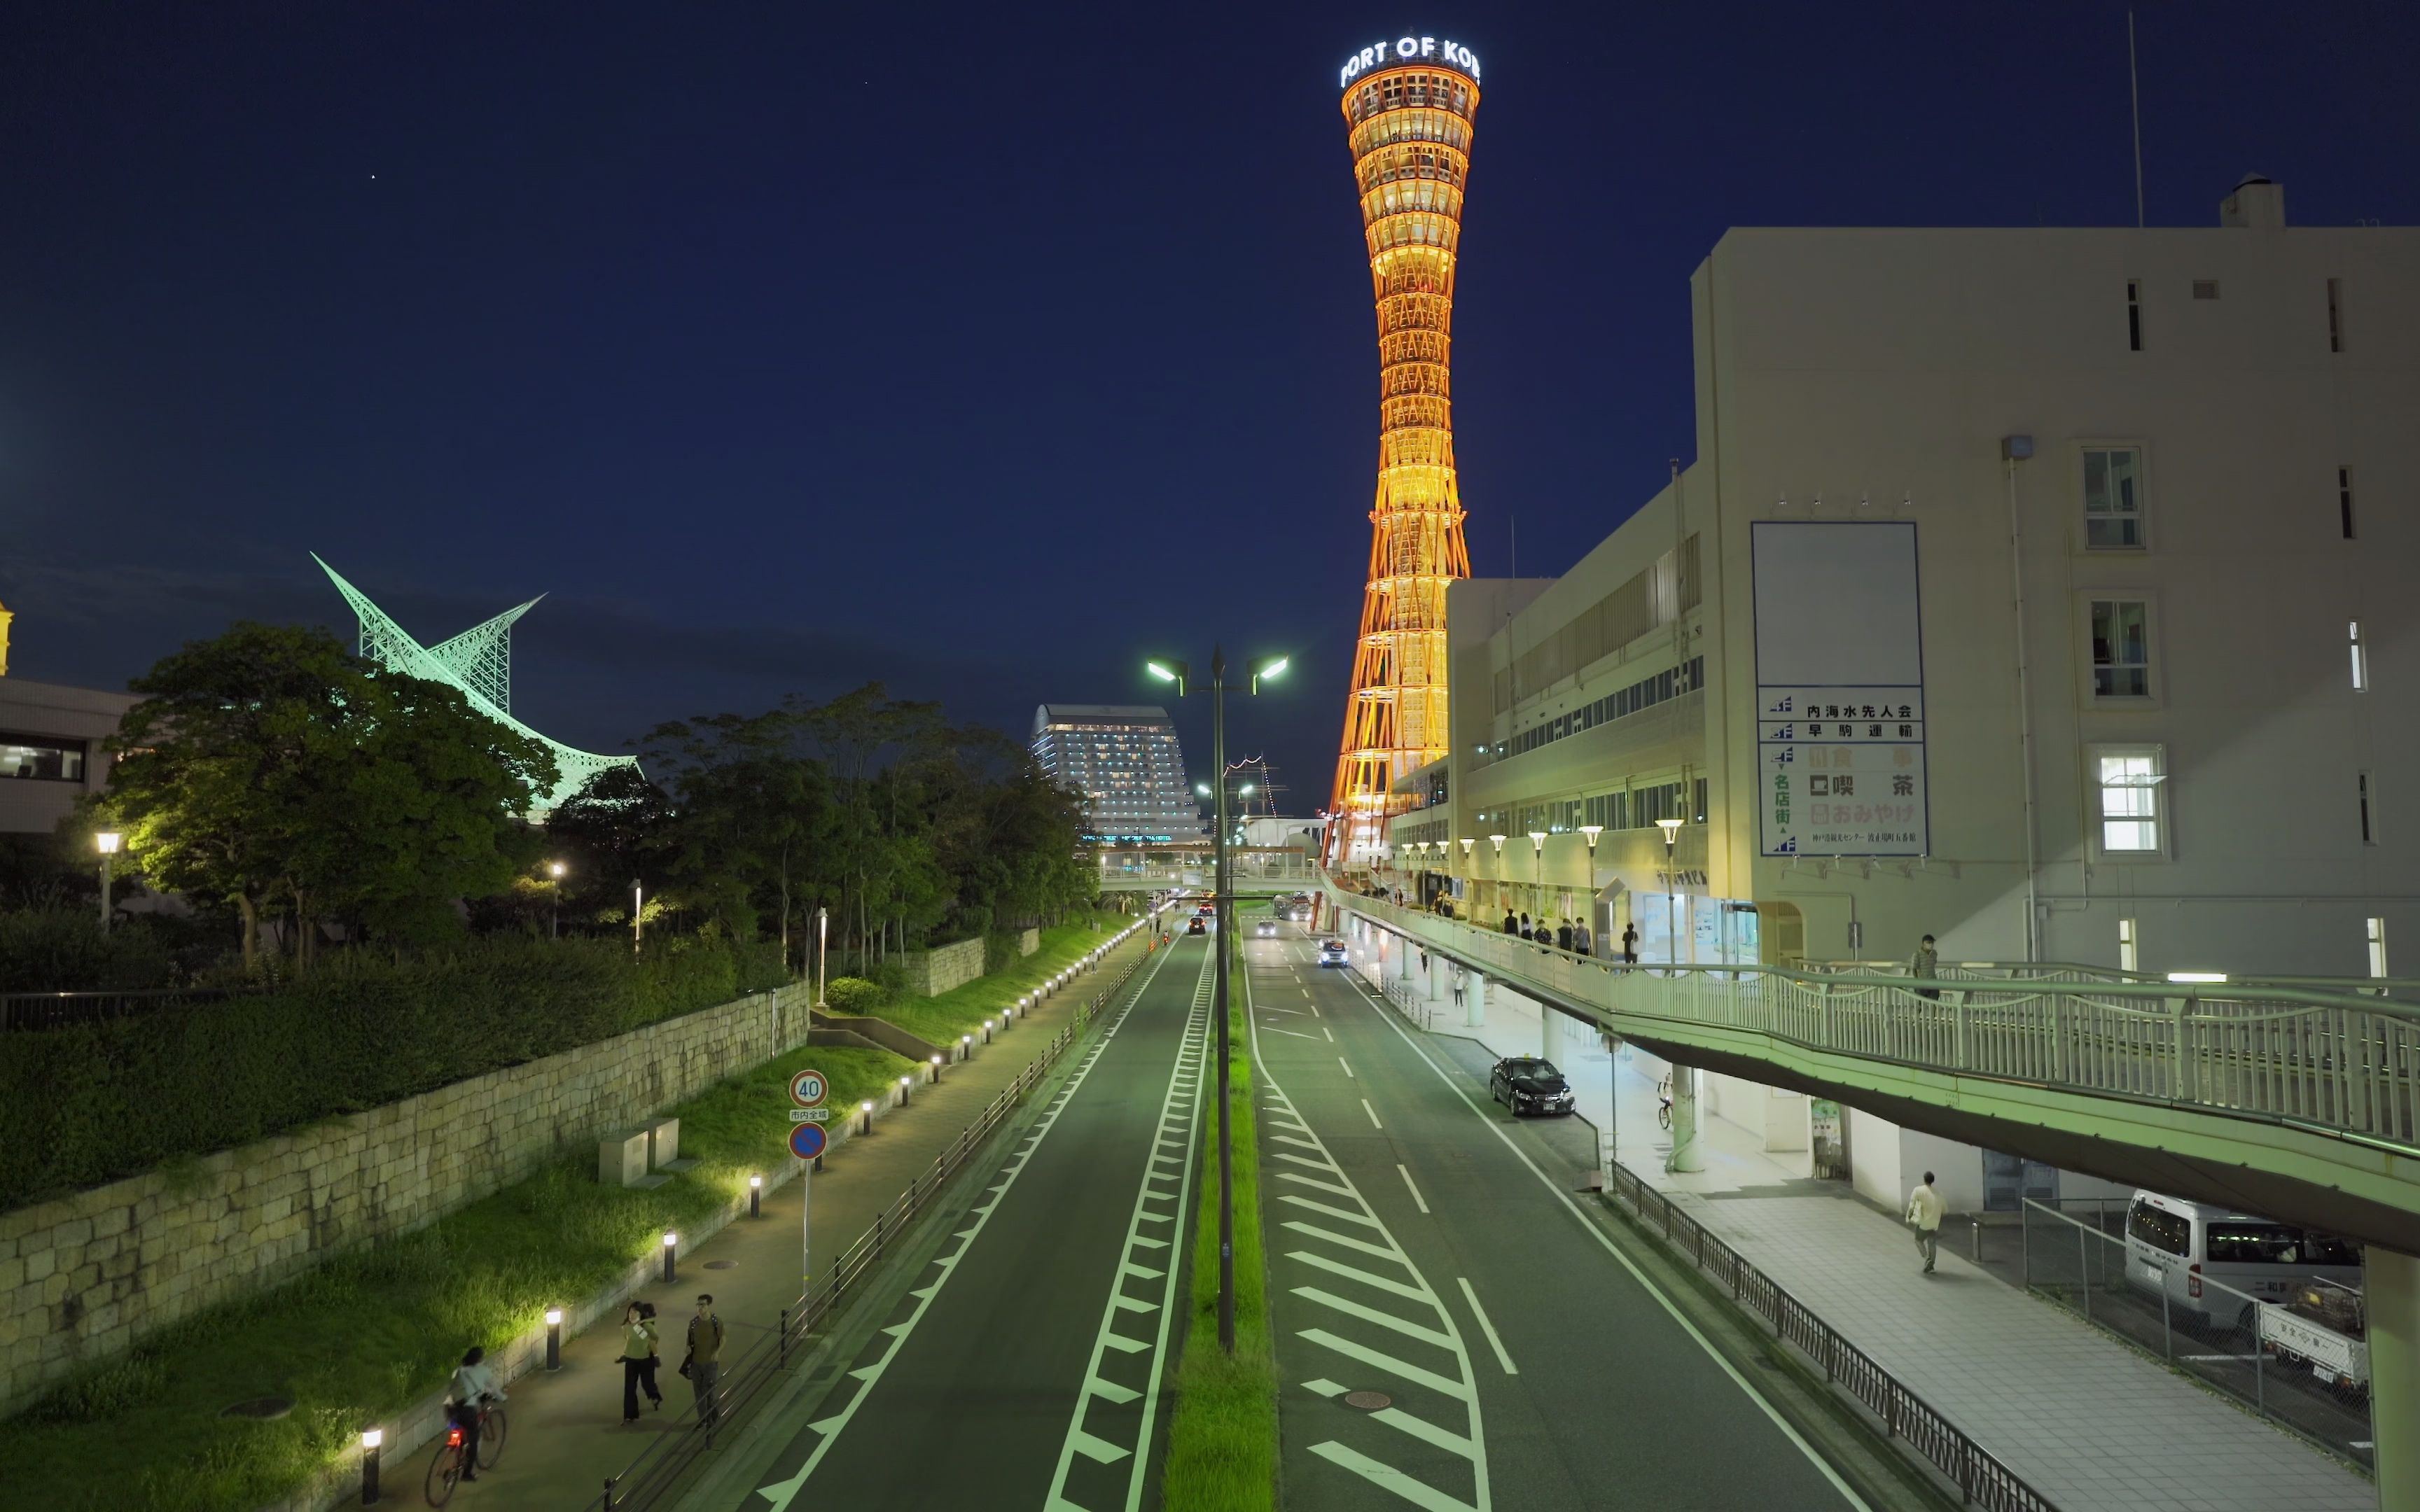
<point x="1839" y="675"/>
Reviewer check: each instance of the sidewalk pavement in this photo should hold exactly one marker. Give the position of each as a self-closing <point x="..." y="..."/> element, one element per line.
<point x="567" y="1434"/>
<point x="2089" y="1423"/>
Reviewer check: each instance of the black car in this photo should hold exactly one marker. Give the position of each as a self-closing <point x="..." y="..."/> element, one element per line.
<point x="1530" y="1085"/>
<point x="1197" y="926"/>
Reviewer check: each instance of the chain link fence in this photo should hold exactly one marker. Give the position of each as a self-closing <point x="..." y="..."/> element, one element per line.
<point x="2287" y="1367"/>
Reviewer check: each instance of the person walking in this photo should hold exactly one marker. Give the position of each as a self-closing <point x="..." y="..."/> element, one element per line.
<point x="1581" y="940"/>
<point x="1924" y="1207"/>
<point x="1457" y="989"/>
<point x="1630" y="945"/>
<point x="1508" y="922"/>
<point x="1925" y="965"/>
<point x="1563" y="935"/>
<point x="1527" y="933"/>
<point x="704" y="1364"/>
<point x="639" y="1352"/>
<point x="473" y="1388"/>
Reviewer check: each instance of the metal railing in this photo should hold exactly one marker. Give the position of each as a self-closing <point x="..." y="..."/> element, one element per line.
<point x="659" y="1467"/>
<point x="2215" y="1333"/>
<point x="1981" y="1477"/>
<point x="61" y="1010"/>
<point x="2337" y="1063"/>
<point x="2069" y="971"/>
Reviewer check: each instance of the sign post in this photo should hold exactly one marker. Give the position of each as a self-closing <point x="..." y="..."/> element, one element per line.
<point x="808" y="1090"/>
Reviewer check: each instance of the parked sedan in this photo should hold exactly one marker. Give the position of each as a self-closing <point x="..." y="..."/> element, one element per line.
<point x="1332" y="953"/>
<point x="1529" y="1085"/>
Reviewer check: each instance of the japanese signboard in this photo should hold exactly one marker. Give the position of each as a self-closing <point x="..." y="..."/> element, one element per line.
<point x="1839" y="671"/>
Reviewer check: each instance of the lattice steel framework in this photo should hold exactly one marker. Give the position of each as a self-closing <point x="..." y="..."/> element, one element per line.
<point x="1409" y="126"/>
<point x="478" y="663"/>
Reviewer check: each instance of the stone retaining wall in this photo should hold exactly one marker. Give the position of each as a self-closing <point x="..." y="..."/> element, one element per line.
<point x="85" y="1277"/>
<point x="1027" y="941"/>
<point x="931" y="972"/>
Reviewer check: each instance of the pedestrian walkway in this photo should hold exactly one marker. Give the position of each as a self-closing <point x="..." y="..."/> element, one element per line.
<point x="2089" y="1423"/>
<point x="567" y="1434"/>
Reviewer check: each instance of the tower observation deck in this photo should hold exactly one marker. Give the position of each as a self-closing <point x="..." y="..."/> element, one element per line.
<point x="1408" y="108"/>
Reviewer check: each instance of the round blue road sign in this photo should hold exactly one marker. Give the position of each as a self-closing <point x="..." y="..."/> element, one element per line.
<point x="807" y="1140"/>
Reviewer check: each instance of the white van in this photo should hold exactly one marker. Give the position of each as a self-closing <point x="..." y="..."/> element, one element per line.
<point x="2174" y="1246"/>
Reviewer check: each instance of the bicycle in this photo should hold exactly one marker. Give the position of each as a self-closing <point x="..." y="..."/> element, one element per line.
<point x="1664" y="1104"/>
<point x="446" y="1468"/>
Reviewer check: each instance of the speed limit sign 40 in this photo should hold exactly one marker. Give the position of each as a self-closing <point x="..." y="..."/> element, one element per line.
<point x="808" y="1088"/>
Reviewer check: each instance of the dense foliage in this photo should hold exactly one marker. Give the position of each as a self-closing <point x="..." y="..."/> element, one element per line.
<point x="84" y="1105"/>
<point x="274" y="772"/>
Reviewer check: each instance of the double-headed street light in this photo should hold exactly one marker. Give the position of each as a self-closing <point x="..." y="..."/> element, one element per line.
<point x="1169" y="670"/>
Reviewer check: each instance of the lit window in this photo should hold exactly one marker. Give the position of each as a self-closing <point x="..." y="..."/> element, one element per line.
<point x="2360" y="658"/>
<point x="2113" y="497"/>
<point x="2133" y="818"/>
<point x="2121" y="648"/>
<point x="2376" y="932"/>
<point x="2127" y="959"/>
<point x="42" y="759"/>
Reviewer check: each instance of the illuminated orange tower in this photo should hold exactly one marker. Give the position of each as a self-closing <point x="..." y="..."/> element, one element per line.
<point x="1408" y="107"/>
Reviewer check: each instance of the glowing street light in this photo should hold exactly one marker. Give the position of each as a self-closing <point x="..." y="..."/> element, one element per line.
<point x="107" y="842"/>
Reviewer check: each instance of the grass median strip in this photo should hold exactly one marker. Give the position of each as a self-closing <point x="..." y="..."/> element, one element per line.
<point x="1222" y="1436"/>
<point x="367" y="1334"/>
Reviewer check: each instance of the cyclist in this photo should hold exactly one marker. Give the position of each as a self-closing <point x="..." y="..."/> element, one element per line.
<point x="472" y="1391"/>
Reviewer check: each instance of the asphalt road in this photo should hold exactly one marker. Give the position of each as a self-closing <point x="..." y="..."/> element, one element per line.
<point x="1417" y="1254"/>
<point x="1023" y="1367"/>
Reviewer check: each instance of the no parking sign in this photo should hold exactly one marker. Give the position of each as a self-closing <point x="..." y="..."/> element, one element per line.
<point x="807" y="1140"/>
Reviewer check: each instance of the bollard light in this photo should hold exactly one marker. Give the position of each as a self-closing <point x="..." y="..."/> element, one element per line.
<point x="671" y="1242"/>
<point x="937" y="1070"/>
<point x="866" y="1110"/>
<point x="967" y="1043"/>
<point x="756" y="1197"/>
<point x="988" y="1029"/>
<point x="554" y="1338"/>
<point x="903" y="1091"/>
<point x="371" y="1439"/>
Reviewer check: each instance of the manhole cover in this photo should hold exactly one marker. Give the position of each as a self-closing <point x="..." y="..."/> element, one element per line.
<point x="1369" y="1401"/>
<point x="263" y="1409"/>
<point x="720" y="1265"/>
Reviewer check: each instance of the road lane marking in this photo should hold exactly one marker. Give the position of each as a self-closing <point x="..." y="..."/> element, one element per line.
<point x="1381" y="1251"/>
<point x="1670" y="1309"/>
<point x="1341" y="1060"/>
<point x="1419" y="1494"/>
<point x="1322" y="1262"/>
<point x="1379" y="1360"/>
<point x="1378" y="1317"/>
<point x="1274" y="1029"/>
<point x="1421" y="1201"/>
<point x="1373" y="1113"/>
<point x="1326" y="1030"/>
<point x="782" y="1493"/>
<point x="1484" y="1326"/>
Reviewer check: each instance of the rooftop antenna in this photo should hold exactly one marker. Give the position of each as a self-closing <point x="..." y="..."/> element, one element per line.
<point x="2134" y="98"/>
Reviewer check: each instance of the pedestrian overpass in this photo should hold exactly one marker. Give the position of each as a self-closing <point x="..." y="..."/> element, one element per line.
<point x="1252" y="871"/>
<point x="2290" y="1100"/>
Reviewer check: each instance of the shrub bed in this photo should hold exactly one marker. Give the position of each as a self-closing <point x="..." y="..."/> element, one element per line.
<point x="84" y="1105"/>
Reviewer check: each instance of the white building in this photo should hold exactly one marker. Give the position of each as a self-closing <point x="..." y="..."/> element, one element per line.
<point x="51" y="750"/>
<point x="2043" y="590"/>
<point x="1123" y="758"/>
<point x="2203" y="441"/>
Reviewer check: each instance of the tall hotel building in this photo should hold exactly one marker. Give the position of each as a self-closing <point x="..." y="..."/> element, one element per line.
<point x="1123" y="759"/>
<point x="1408" y="107"/>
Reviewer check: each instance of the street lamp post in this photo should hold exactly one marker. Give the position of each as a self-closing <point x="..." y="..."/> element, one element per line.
<point x="554" y="900"/>
<point x="1684" y="1155"/>
<point x="107" y="842"/>
<point x="1671" y="829"/>
<point x="1590" y="832"/>
<point x="638" y="914"/>
<point x="823" y="929"/>
<point x="1538" y="871"/>
<point x="1176" y="671"/>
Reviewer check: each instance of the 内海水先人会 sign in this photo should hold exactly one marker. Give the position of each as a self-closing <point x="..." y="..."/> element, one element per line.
<point x="1839" y="696"/>
<point x="1410" y="49"/>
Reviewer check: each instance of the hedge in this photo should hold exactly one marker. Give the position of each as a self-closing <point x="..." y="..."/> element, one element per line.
<point x="85" y="1105"/>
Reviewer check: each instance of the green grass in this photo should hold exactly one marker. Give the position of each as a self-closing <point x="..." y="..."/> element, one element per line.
<point x="367" y="1334"/>
<point x="1223" y="1437"/>
<point x="962" y="1009"/>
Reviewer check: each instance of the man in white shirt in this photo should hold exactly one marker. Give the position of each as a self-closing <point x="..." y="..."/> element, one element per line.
<point x="1924" y="1207"/>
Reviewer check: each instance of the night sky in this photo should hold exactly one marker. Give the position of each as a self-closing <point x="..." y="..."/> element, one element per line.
<point x="980" y="352"/>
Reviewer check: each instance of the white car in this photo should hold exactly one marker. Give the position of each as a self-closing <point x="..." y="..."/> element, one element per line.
<point x="1332" y="953"/>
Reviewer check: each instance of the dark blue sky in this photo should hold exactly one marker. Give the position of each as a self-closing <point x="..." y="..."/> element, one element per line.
<point x="977" y="350"/>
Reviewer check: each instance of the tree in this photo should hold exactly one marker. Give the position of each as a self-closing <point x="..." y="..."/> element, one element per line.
<point x="272" y="770"/>
<point x="617" y="831"/>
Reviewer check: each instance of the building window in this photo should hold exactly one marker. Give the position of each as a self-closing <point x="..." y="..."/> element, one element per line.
<point x="2369" y="811"/>
<point x="2127" y="958"/>
<point x="2344" y="499"/>
<point x="2133" y="314"/>
<point x="2335" y="316"/>
<point x="2205" y="288"/>
<point x="2134" y="811"/>
<point x="2375" y="931"/>
<point x="2360" y="658"/>
<point x="42" y="759"/>
<point x="2121" y="648"/>
<point x="2113" y="497"/>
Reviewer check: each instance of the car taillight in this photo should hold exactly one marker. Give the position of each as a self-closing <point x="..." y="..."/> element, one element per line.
<point x="453" y="1438"/>
<point x="2193" y="1281"/>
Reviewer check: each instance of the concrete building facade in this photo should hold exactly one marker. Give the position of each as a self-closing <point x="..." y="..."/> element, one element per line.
<point x="51" y="750"/>
<point x="1125" y="759"/>
<point x="2038" y="590"/>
